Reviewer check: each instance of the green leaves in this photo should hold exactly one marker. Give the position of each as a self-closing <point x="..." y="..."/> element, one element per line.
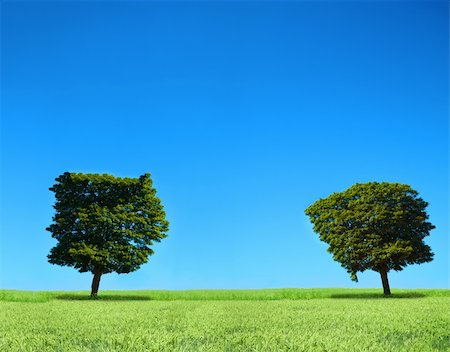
<point x="105" y="221"/>
<point x="373" y="226"/>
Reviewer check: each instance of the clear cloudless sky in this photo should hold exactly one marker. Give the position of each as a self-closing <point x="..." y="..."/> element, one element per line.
<point x="244" y="113"/>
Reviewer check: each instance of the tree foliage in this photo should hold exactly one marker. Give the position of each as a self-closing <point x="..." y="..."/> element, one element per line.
<point x="105" y="224"/>
<point x="375" y="226"/>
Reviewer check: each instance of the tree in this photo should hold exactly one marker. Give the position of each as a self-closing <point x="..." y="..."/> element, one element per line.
<point x="374" y="226"/>
<point x="105" y="224"/>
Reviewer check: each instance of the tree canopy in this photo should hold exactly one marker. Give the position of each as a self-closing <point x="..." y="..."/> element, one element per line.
<point x="374" y="226"/>
<point x="105" y="224"/>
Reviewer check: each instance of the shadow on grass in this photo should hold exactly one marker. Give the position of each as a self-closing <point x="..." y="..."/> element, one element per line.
<point x="72" y="297"/>
<point x="370" y="295"/>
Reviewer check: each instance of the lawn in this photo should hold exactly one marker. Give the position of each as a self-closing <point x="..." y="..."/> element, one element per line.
<point x="226" y="320"/>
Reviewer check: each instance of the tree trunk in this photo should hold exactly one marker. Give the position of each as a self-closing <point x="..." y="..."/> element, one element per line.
<point x="96" y="281"/>
<point x="385" y="281"/>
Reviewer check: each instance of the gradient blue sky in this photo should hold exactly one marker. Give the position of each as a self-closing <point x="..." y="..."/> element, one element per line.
<point x="244" y="113"/>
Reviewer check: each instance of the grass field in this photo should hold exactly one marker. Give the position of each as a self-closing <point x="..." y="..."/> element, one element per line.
<point x="226" y="320"/>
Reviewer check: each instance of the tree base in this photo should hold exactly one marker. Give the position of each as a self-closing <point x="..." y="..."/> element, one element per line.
<point x="385" y="282"/>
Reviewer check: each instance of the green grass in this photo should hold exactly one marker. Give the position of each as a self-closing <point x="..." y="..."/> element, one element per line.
<point x="226" y="320"/>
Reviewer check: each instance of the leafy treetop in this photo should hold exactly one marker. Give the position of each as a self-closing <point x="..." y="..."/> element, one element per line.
<point x="376" y="226"/>
<point x="105" y="224"/>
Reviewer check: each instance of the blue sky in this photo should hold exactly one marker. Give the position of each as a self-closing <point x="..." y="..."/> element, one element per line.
<point x="245" y="113"/>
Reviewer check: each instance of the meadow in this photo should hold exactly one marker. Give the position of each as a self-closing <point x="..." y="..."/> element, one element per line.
<point x="226" y="320"/>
